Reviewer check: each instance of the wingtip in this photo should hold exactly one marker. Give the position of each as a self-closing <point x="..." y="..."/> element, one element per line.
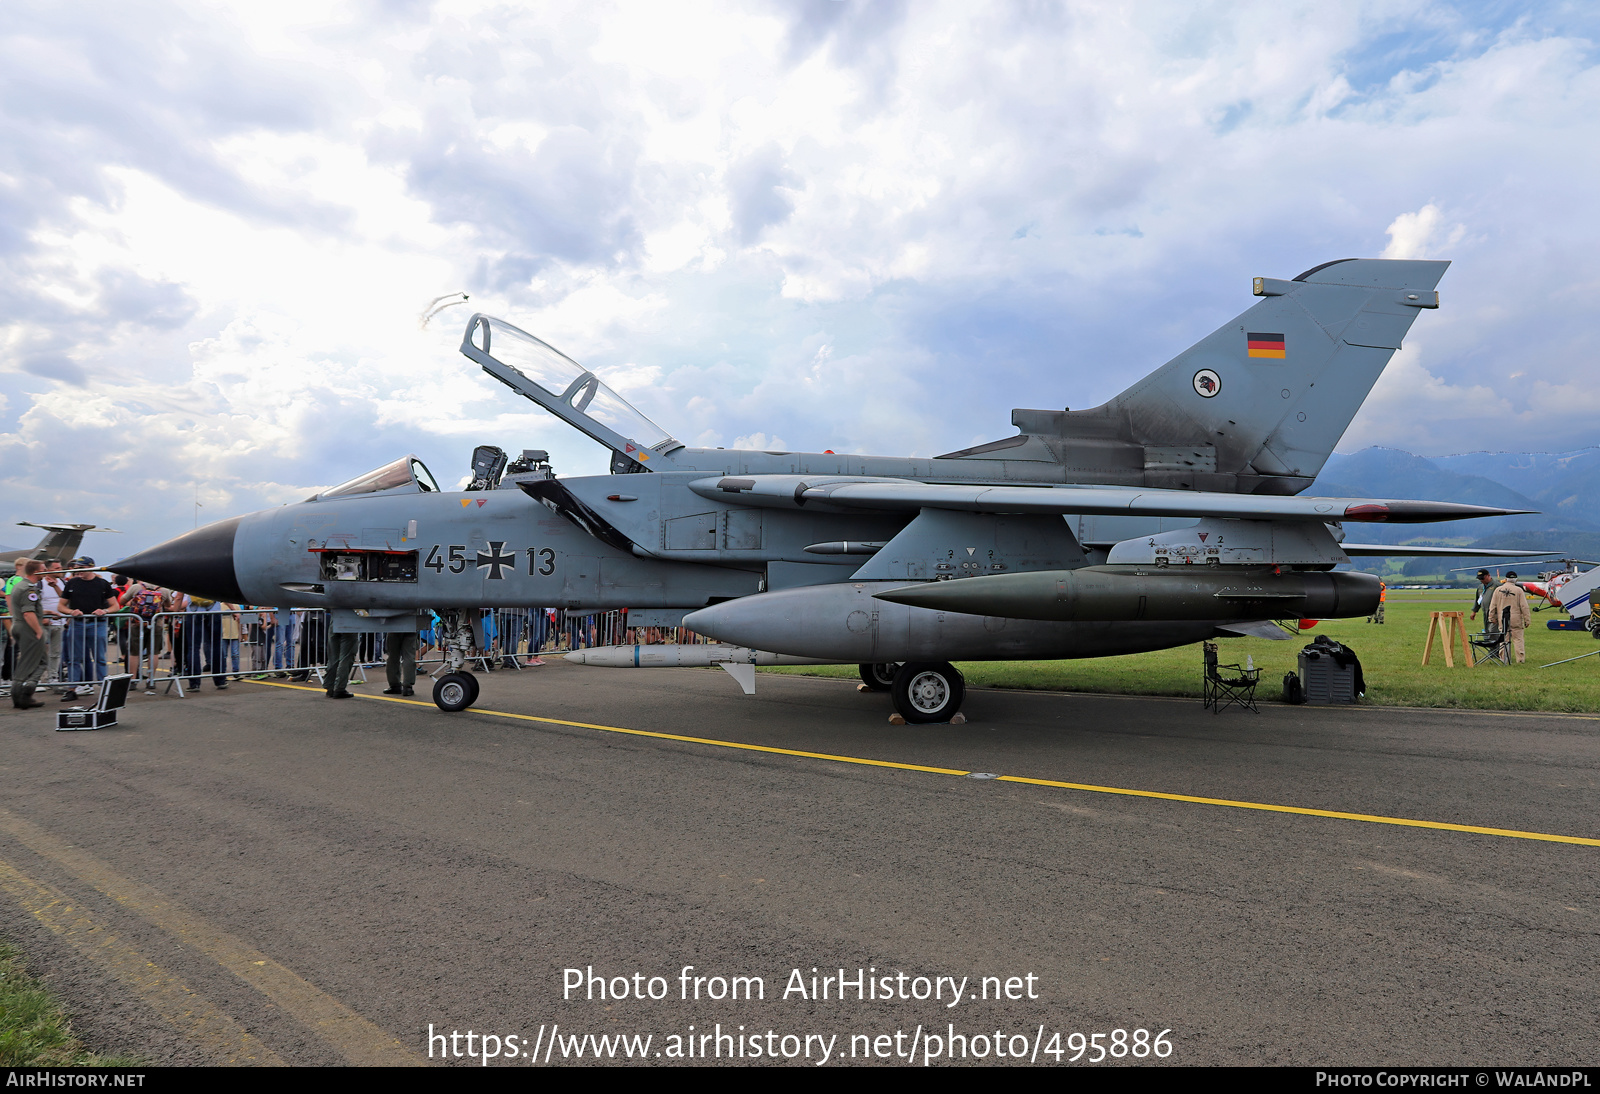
<point x="1405" y="511"/>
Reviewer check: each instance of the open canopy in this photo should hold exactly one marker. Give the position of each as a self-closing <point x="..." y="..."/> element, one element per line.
<point x="541" y="372"/>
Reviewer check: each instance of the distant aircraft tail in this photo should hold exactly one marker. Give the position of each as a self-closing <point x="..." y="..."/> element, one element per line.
<point x="1257" y="405"/>
<point x="61" y="541"/>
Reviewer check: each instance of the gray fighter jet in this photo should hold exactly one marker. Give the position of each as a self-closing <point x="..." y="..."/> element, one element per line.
<point x="1170" y="514"/>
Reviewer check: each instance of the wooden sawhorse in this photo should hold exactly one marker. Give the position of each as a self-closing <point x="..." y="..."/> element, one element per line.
<point x="1451" y="627"/>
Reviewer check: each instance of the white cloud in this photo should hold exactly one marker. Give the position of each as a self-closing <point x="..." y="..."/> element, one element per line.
<point x="760" y="441"/>
<point x="1421" y="234"/>
<point x="1412" y="408"/>
<point x="867" y="226"/>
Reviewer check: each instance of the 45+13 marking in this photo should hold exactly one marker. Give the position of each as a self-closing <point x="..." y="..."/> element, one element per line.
<point x="496" y="560"/>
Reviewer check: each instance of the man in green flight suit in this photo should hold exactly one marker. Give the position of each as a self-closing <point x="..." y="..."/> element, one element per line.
<point x="27" y="627"/>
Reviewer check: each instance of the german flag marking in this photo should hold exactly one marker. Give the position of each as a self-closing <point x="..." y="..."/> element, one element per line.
<point x="1265" y="345"/>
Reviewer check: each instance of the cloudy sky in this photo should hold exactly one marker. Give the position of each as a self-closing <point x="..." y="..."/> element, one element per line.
<point x="864" y="225"/>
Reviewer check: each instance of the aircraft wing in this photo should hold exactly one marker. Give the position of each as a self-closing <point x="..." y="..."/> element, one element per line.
<point x="854" y="493"/>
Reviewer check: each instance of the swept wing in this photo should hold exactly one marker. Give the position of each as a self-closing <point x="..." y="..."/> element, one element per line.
<point x="907" y="495"/>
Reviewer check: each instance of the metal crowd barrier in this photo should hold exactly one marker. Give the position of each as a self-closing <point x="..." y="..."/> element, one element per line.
<point x="79" y="650"/>
<point x="515" y="636"/>
<point x="184" y="648"/>
<point x="179" y="649"/>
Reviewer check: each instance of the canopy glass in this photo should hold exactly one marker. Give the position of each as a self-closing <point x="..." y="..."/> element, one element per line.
<point x="406" y="475"/>
<point x="566" y="380"/>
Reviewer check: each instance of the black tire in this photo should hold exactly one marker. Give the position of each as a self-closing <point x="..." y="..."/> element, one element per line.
<point x="879" y="677"/>
<point x="928" y="691"/>
<point x="472" y="681"/>
<point x="454" y="691"/>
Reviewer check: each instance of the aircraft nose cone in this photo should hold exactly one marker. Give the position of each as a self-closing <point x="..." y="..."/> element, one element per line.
<point x="199" y="563"/>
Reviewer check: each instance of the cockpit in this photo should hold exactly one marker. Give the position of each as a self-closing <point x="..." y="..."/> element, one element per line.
<point x="406" y="475"/>
<point x="540" y="372"/>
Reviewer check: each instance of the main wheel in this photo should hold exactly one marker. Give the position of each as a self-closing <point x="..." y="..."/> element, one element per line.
<point x="454" y="691"/>
<point x="879" y="677"/>
<point x="928" y="691"/>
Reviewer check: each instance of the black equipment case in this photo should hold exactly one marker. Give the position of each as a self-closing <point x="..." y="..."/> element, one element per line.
<point x="113" y="696"/>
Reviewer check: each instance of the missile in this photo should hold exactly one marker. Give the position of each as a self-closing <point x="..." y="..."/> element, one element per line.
<point x="1220" y="593"/>
<point x="738" y="662"/>
<point x="666" y="656"/>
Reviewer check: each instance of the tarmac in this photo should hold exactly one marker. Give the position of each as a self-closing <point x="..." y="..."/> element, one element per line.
<point x="264" y="875"/>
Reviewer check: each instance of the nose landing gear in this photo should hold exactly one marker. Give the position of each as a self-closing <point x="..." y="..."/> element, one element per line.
<point x="456" y="689"/>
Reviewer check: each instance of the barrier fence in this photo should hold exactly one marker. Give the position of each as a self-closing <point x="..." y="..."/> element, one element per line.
<point x="179" y="649"/>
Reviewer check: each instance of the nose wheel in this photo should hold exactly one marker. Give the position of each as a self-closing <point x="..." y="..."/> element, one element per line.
<point x="455" y="691"/>
<point x="928" y="691"/>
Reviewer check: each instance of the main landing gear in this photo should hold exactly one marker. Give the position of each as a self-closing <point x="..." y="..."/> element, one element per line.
<point x="923" y="691"/>
<point x="456" y="689"/>
<point x="879" y="677"/>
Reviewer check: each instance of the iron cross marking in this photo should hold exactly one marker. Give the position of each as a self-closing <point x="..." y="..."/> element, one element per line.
<point x="494" y="561"/>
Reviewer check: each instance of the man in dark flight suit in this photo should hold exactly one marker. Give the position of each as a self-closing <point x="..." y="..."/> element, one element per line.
<point x="402" y="663"/>
<point x="341" y="663"/>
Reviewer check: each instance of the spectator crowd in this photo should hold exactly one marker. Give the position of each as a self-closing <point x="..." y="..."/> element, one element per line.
<point x="94" y="625"/>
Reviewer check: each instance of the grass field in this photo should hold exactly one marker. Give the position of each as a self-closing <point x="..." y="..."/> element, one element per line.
<point x="1391" y="658"/>
<point x="34" y="1030"/>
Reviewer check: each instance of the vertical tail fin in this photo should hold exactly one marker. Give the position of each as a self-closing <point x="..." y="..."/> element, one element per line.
<point x="1257" y="405"/>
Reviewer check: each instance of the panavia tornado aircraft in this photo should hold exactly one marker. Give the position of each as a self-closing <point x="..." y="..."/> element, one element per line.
<point x="1170" y="514"/>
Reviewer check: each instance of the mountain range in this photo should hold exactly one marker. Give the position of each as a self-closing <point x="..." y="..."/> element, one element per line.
<point x="1563" y="489"/>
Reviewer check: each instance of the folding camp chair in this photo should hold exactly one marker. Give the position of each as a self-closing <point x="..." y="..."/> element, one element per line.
<point x="1228" y="685"/>
<point x="1492" y="647"/>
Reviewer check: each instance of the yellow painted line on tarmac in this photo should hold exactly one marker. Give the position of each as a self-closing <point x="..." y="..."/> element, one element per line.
<point x="177" y="1003"/>
<point x="358" y="1040"/>
<point x="1371" y="818"/>
<point x="653" y="733"/>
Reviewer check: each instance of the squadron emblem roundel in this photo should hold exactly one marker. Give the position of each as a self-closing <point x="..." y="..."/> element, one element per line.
<point x="1207" y="383"/>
